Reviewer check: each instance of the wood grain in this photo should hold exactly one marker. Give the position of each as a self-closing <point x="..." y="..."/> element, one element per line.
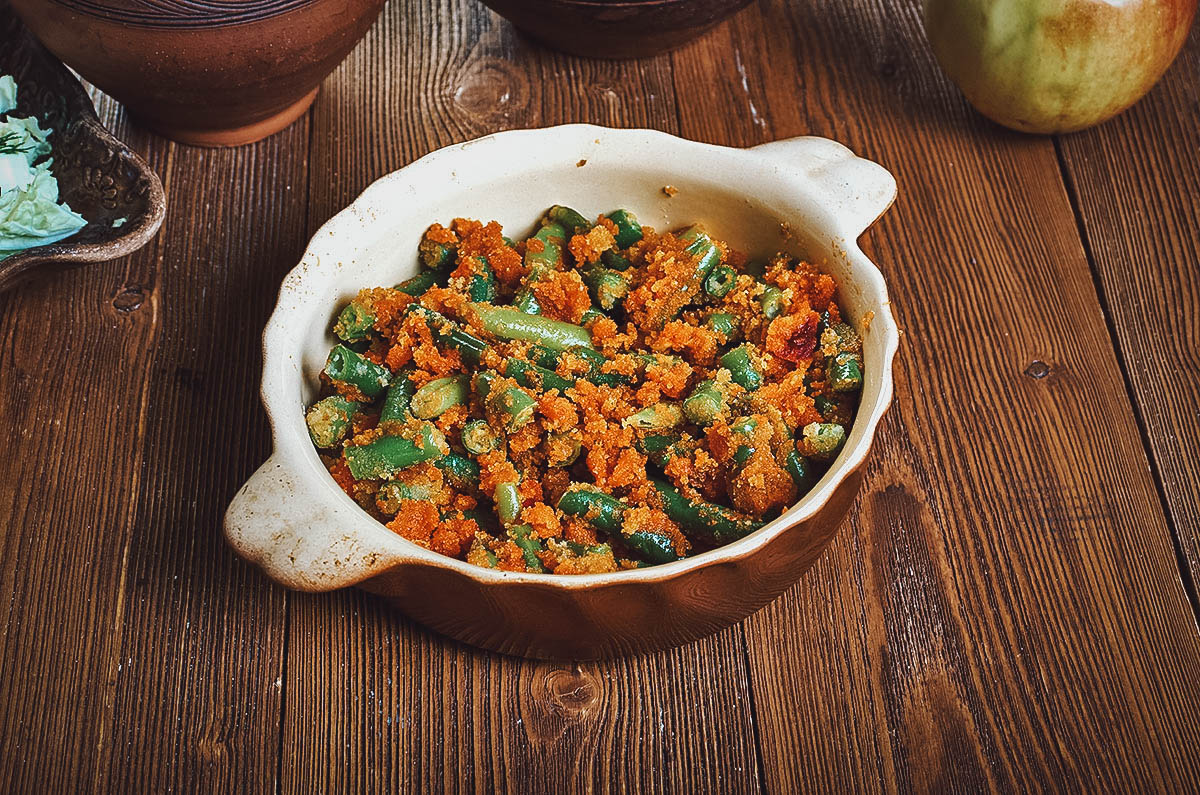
<point x="1137" y="180"/>
<point x="1004" y="611"/>
<point x="962" y="627"/>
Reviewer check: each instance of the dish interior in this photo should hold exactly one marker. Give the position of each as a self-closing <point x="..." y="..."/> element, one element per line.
<point x="375" y="242"/>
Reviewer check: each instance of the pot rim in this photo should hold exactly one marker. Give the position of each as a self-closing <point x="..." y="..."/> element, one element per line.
<point x="279" y="348"/>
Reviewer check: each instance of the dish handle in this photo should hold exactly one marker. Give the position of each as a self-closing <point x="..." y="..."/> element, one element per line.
<point x="855" y="190"/>
<point x="298" y="539"/>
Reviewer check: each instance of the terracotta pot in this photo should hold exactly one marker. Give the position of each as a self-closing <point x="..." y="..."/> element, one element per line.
<point x="615" y="28"/>
<point x="207" y="72"/>
<point x="808" y="195"/>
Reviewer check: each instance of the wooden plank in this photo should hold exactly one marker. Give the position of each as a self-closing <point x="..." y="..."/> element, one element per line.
<point x="75" y="349"/>
<point x="197" y="686"/>
<point x="1004" y="610"/>
<point x="1136" y="180"/>
<point x="374" y="702"/>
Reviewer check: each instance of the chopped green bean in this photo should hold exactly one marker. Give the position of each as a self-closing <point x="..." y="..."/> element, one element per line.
<point x="418" y="285"/>
<point x="803" y="472"/>
<point x="449" y="333"/>
<point x="713" y="523"/>
<point x="825" y="439"/>
<point x="629" y="231"/>
<point x="512" y="324"/>
<point x="460" y="472"/>
<point x="546" y="257"/>
<point x="772" y="302"/>
<point x="398" y="399"/>
<point x="435" y="255"/>
<point x="534" y="377"/>
<point x="530" y="545"/>
<point x="329" y="420"/>
<point x="482" y="285"/>
<point x="393" y="492"/>
<point x="440" y="395"/>
<point x="479" y="438"/>
<point x="387" y="455"/>
<point x="724" y="324"/>
<point x="615" y="260"/>
<point x="605" y="513"/>
<point x="513" y="406"/>
<point x="845" y="374"/>
<point x="608" y="288"/>
<point x="705" y="403"/>
<point x="569" y="219"/>
<point x="346" y="366"/>
<point x="508" y="502"/>
<point x="563" y="440"/>
<point x="657" y="417"/>
<point x="720" y="281"/>
<point x="354" y="322"/>
<point x="742" y="368"/>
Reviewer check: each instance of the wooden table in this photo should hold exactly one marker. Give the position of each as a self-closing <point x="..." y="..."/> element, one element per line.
<point x="1012" y="605"/>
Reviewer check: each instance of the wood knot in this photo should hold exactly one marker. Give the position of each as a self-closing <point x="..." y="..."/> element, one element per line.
<point x="559" y="699"/>
<point x="492" y="89"/>
<point x="1037" y="369"/>
<point x="129" y="299"/>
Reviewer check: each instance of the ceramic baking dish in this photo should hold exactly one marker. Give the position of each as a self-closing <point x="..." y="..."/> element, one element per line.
<point x="809" y="195"/>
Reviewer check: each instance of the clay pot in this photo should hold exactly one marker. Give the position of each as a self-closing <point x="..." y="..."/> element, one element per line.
<point x="615" y="28"/>
<point x="206" y="72"/>
<point x="808" y="195"/>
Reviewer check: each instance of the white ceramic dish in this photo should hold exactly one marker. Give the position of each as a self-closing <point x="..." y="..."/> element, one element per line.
<point x="808" y="195"/>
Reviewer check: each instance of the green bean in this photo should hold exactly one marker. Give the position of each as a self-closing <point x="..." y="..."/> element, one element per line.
<point x="844" y="373"/>
<point x="526" y="302"/>
<point x="435" y="255"/>
<point x="329" y="420"/>
<point x="591" y="315"/>
<point x="608" y="288"/>
<point x="771" y="301"/>
<point x="346" y="366"/>
<point x="530" y="545"/>
<point x="583" y="550"/>
<point x="552" y="237"/>
<point x="756" y="268"/>
<point x="720" y="281"/>
<point x="460" y="472"/>
<point x="569" y="219"/>
<point x="825" y="406"/>
<point x="449" y="333"/>
<point x="481" y="556"/>
<point x="724" y="324"/>
<point x="549" y="359"/>
<point x="713" y="523"/>
<point x="393" y="492"/>
<point x="387" y="455"/>
<point x="705" y="403"/>
<point x="615" y="260"/>
<point x="482" y="285"/>
<point x="513" y="406"/>
<point x="706" y="255"/>
<point x="848" y="340"/>
<point x="354" y="322"/>
<point x="439" y="396"/>
<point x="398" y="399"/>
<point x="741" y="367"/>
<point x="743" y="426"/>
<point x="479" y="438"/>
<point x="512" y="324"/>
<point x="657" y="417"/>
<point x="606" y="513"/>
<point x="483" y="381"/>
<point x="573" y="444"/>
<point x="534" y="377"/>
<point x="803" y="472"/>
<point x="661" y="448"/>
<point x="508" y="502"/>
<point x="825" y="439"/>
<point x="418" y="285"/>
<point x="629" y="231"/>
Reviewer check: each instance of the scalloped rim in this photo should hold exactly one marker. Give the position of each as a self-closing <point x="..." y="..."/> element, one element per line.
<point x="277" y="349"/>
